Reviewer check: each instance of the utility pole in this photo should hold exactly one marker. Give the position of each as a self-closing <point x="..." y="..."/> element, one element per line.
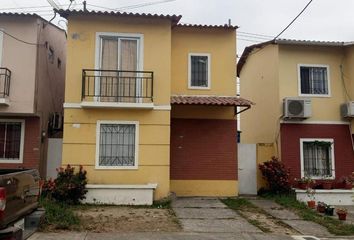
<point x="85" y="9"/>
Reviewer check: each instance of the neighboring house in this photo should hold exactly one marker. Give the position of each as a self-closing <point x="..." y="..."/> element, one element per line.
<point x="32" y="73"/>
<point x="300" y="88"/>
<point x="143" y="109"/>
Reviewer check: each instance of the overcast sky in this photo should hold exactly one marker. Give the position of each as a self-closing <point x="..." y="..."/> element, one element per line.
<point x="323" y="20"/>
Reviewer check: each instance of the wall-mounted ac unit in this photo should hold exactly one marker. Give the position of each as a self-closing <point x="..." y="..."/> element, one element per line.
<point x="297" y="108"/>
<point x="347" y="109"/>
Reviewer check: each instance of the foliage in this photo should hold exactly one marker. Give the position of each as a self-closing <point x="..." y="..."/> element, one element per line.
<point x="333" y="225"/>
<point x="346" y="179"/>
<point x="306" y="180"/>
<point x="276" y="175"/>
<point x="58" y="216"/>
<point x="69" y="187"/>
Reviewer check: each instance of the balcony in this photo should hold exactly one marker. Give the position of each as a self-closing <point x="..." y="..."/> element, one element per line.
<point x="5" y="77"/>
<point x="117" y="89"/>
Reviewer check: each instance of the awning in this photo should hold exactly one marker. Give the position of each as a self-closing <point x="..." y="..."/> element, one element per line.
<point x="212" y="101"/>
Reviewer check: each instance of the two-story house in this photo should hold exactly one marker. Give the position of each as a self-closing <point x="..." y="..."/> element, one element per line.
<point x="32" y="72"/>
<point x="143" y="107"/>
<point x="304" y="113"/>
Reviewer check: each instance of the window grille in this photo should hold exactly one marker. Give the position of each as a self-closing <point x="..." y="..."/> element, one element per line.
<point x="317" y="159"/>
<point x="199" y="71"/>
<point x="117" y="145"/>
<point x="314" y="80"/>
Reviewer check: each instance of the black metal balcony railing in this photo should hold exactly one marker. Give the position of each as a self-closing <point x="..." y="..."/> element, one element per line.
<point x="117" y="86"/>
<point x="5" y="77"/>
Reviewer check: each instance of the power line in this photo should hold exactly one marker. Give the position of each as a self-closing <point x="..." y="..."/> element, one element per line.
<point x="132" y="6"/>
<point x="255" y="34"/>
<point x="20" y="40"/>
<point x="308" y="4"/>
<point x="250" y="36"/>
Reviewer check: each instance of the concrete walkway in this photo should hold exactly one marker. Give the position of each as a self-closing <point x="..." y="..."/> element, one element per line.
<point x="290" y="218"/>
<point x="157" y="236"/>
<point x="203" y="215"/>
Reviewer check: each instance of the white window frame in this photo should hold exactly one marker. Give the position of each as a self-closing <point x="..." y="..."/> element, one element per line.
<point x="190" y="55"/>
<point x="299" y="80"/>
<point x="330" y="140"/>
<point x="140" y="52"/>
<point x="22" y="141"/>
<point x="1" y="45"/>
<point x="98" y="131"/>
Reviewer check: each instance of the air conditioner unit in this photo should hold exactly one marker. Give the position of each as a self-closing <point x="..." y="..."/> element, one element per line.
<point x="56" y="121"/>
<point x="347" y="109"/>
<point x="297" y="108"/>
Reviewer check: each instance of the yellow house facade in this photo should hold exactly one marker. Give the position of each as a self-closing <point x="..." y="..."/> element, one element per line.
<point x="124" y="73"/>
<point x="318" y="77"/>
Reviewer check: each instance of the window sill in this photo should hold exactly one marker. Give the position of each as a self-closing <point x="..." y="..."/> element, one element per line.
<point x="10" y="161"/>
<point x="4" y="102"/>
<point x="116" y="105"/>
<point x="116" y="168"/>
<point x="199" y="88"/>
<point x="315" y="95"/>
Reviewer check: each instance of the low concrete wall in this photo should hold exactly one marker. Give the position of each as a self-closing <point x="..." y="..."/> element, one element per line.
<point x="331" y="197"/>
<point x="120" y="194"/>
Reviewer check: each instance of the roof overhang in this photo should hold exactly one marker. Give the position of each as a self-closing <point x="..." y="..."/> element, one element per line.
<point x="67" y="13"/>
<point x="248" y="50"/>
<point x="232" y="101"/>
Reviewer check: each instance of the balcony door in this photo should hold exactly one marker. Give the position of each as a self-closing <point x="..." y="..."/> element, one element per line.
<point x="119" y="60"/>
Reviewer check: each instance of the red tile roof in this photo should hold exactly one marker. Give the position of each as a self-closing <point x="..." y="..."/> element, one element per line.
<point x="66" y="13"/>
<point x="210" y="100"/>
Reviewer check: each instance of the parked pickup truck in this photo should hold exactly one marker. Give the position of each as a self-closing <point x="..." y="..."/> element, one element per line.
<point x="19" y="192"/>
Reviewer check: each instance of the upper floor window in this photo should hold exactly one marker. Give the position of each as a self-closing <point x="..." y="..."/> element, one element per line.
<point x="314" y="80"/>
<point x="119" y="56"/>
<point x="317" y="158"/>
<point x="199" y="71"/>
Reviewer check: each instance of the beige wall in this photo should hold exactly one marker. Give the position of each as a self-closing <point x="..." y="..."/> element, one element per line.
<point x="80" y="125"/>
<point x="271" y="74"/>
<point x="220" y="44"/>
<point x="81" y="51"/>
<point x="259" y="83"/>
<point x="323" y="108"/>
<point x="20" y="58"/>
<point x="348" y="76"/>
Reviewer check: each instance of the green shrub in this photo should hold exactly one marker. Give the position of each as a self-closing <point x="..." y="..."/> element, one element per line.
<point x="276" y="175"/>
<point x="58" y="216"/>
<point x="69" y="187"/>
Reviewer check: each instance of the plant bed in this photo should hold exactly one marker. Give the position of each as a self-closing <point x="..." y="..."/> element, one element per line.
<point x="92" y="218"/>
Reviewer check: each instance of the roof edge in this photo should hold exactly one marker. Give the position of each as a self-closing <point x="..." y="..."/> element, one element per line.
<point x="66" y="13"/>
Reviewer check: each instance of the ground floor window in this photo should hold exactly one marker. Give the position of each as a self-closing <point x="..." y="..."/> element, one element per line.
<point x="317" y="158"/>
<point x="11" y="140"/>
<point x="117" y="144"/>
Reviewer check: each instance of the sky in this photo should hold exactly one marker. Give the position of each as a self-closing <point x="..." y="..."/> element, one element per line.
<point x="324" y="20"/>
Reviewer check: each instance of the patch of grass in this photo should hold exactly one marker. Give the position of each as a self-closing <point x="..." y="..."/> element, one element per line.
<point x="240" y="205"/>
<point x="58" y="216"/>
<point x="163" y="203"/>
<point x="237" y="203"/>
<point x="334" y="226"/>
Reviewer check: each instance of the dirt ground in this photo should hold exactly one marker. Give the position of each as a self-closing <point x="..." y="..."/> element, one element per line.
<point x="126" y="219"/>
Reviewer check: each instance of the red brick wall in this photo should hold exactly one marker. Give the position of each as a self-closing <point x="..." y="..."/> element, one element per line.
<point x="203" y="149"/>
<point x="343" y="149"/>
<point x="31" y="150"/>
